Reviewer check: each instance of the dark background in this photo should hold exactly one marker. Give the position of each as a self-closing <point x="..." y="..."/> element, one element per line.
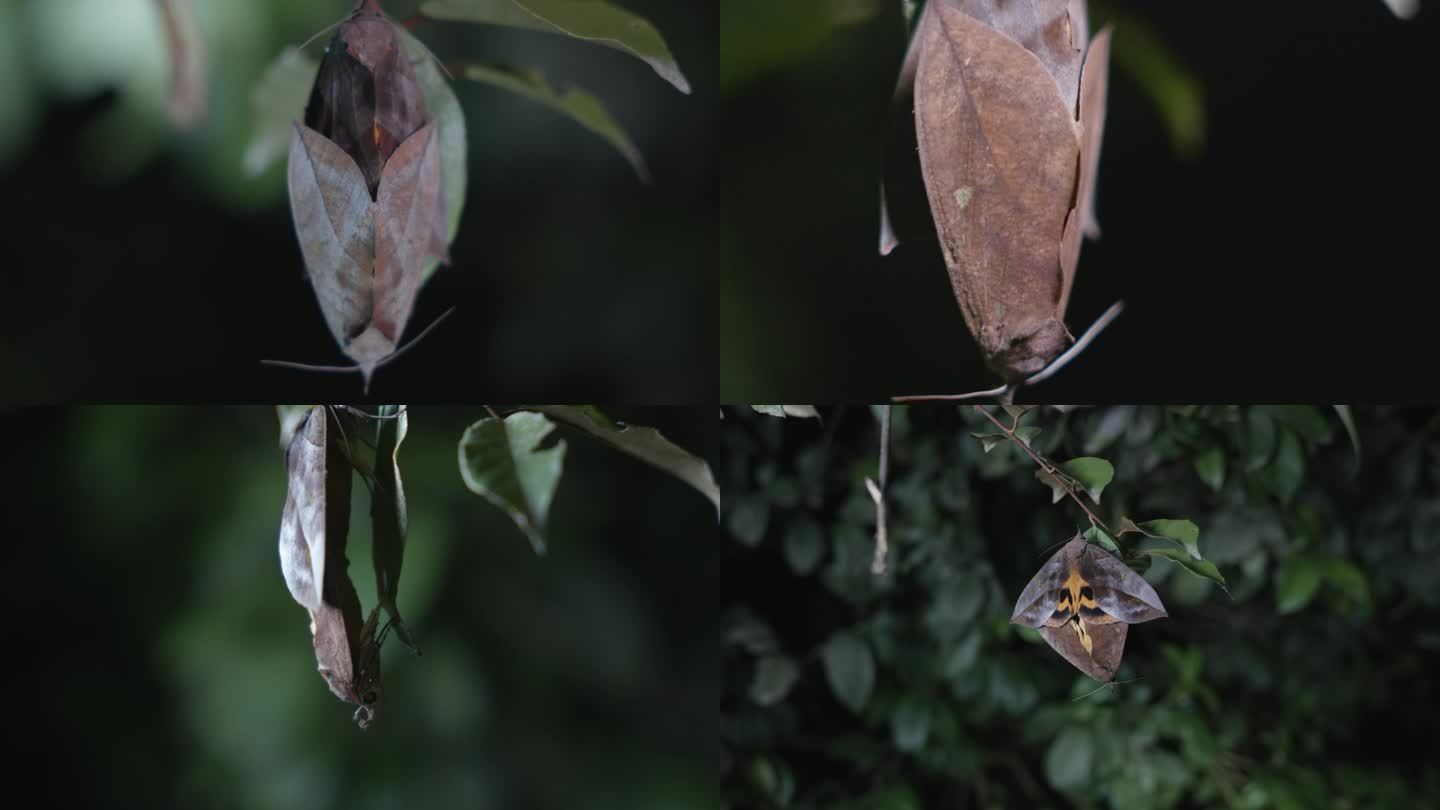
<point x="156" y="658"/>
<point x="1308" y="685"/>
<point x="1290" y="256"/>
<point x="167" y="274"/>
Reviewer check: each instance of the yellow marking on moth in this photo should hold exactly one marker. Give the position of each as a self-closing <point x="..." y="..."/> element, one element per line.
<point x="963" y="195"/>
<point x="375" y="131"/>
<point x="1072" y="586"/>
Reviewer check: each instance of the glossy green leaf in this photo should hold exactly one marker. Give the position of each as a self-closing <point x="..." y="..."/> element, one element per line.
<point x="850" y="669"/>
<point x="804" y="545"/>
<point x="1306" y="420"/>
<point x="774" y="675"/>
<point x="644" y="443"/>
<point x="502" y="461"/>
<point x="1200" y="568"/>
<point x="1347" y="578"/>
<point x="574" y="103"/>
<point x="1094" y="474"/>
<point x="1296" y="583"/>
<point x="591" y="20"/>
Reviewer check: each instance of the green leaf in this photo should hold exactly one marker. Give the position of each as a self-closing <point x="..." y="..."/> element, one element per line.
<point x="1286" y="471"/>
<point x="1069" y="759"/>
<point x="449" y="130"/>
<point x="574" y="103"/>
<point x="1184" y="532"/>
<point x="1296" y="584"/>
<point x="1347" y="578"/>
<point x="850" y="669"/>
<point x="910" y="724"/>
<point x="1348" y="420"/>
<point x="1200" y="568"/>
<point x="1057" y="487"/>
<point x="1095" y="535"/>
<point x="804" y="546"/>
<point x="774" y="675"/>
<point x="590" y="20"/>
<point x="782" y="411"/>
<point x="988" y="441"/>
<point x="501" y="460"/>
<point x="1305" y="420"/>
<point x="277" y="100"/>
<point x="1261" y="432"/>
<point x="644" y="443"/>
<point x="1093" y="473"/>
<point x="749" y="517"/>
<point x="1210" y="466"/>
<point x="1170" y="86"/>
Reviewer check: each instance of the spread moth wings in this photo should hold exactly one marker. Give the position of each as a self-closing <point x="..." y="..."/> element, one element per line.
<point x="1083" y="601"/>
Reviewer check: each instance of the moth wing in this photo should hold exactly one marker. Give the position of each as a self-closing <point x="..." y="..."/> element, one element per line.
<point x="1045" y="28"/>
<point x="1036" y="605"/>
<point x="335" y="222"/>
<point x="295" y="561"/>
<point x="999" y="150"/>
<point x="1119" y="591"/>
<point x="1081" y="222"/>
<point x="410" y="226"/>
<point x="1107" y="645"/>
<point x="399" y="104"/>
<point x="305" y="460"/>
<point x="333" y="657"/>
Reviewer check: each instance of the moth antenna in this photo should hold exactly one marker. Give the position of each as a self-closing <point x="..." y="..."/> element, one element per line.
<point x="1103" y="686"/>
<point x="427" y="330"/>
<point x="368" y="415"/>
<point x="1002" y="391"/>
<point x="322" y="32"/>
<point x="1079" y="345"/>
<point x="308" y="367"/>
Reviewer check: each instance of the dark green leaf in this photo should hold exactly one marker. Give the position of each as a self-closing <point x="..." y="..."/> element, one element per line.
<point x="1069" y="759"/>
<point x="574" y="103"/>
<point x="1094" y="474"/>
<point x="1200" y="568"/>
<point x="1296" y="584"/>
<point x="850" y="669"/>
<point x="1347" y="578"/>
<point x="591" y="20"/>
<point x="1305" y="420"/>
<point x="1097" y="536"/>
<point x="910" y="725"/>
<point x="774" y="675"/>
<point x="644" y="443"/>
<point x="1210" y="466"/>
<point x="749" y="518"/>
<point x="1184" y="532"/>
<point x="501" y="460"/>
<point x="1261" y="432"/>
<point x="804" y="545"/>
<point x="1285" y="473"/>
<point x="1348" y="420"/>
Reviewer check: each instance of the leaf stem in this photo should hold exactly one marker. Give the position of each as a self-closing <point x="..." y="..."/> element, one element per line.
<point x="1048" y="466"/>
<point x="882" y="542"/>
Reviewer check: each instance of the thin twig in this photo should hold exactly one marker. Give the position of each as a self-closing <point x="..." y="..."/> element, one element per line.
<point x="877" y="493"/>
<point x="1047" y="466"/>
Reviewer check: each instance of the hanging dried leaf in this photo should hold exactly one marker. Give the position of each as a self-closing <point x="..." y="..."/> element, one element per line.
<point x="1008" y="166"/>
<point x="314" y="528"/>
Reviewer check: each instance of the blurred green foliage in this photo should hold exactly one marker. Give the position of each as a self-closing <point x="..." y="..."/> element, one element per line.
<point x="572" y="680"/>
<point x="1306" y="686"/>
